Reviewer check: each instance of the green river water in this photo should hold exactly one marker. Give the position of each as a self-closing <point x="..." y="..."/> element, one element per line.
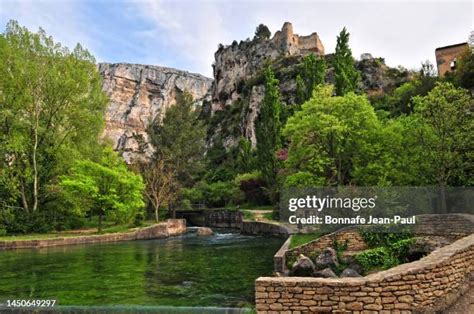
<point x="184" y="271"/>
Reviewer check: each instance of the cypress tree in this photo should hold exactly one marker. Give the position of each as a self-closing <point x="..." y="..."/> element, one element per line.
<point x="347" y="76"/>
<point x="268" y="129"/>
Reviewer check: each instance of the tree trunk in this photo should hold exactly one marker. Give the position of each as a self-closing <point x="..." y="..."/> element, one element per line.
<point x="35" y="166"/>
<point x="443" y="209"/>
<point x="23" y="196"/>
<point x="157" y="209"/>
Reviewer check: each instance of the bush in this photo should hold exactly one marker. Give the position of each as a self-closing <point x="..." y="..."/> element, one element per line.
<point x="385" y="256"/>
<point x="372" y="258"/>
<point x="252" y="186"/>
<point x="221" y="194"/>
<point x="383" y="237"/>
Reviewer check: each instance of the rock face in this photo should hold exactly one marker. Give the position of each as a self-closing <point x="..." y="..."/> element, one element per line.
<point x="138" y="93"/>
<point x="238" y="64"/>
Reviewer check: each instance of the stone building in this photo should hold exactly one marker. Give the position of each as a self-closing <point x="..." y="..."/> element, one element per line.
<point x="446" y="57"/>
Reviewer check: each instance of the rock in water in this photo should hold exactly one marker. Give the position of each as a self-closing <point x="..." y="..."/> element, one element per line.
<point x="204" y="231"/>
<point x="349" y="272"/>
<point x="304" y="266"/>
<point x="327" y="258"/>
<point x="138" y="93"/>
<point x="325" y="273"/>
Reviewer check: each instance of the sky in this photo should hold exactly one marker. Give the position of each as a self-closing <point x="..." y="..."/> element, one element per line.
<point x="184" y="34"/>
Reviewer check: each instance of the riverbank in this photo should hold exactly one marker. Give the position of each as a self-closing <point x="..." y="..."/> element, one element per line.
<point x="161" y="230"/>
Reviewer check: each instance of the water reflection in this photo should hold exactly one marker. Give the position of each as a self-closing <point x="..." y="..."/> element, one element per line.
<point x="190" y="270"/>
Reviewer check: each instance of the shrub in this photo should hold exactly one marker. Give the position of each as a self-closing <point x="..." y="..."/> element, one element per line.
<point x="252" y="186"/>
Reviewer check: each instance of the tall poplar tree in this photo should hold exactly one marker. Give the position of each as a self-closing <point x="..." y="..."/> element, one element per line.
<point x="346" y="75"/>
<point x="268" y="129"/>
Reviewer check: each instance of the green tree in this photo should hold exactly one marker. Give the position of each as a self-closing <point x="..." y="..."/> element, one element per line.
<point x="311" y="74"/>
<point x="245" y="156"/>
<point x="106" y="188"/>
<point x="179" y="137"/>
<point x="179" y="141"/>
<point x="51" y="114"/>
<point x="331" y="139"/>
<point x="346" y="75"/>
<point x="268" y="129"/>
<point x="464" y="74"/>
<point x="447" y="112"/>
<point x="262" y="32"/>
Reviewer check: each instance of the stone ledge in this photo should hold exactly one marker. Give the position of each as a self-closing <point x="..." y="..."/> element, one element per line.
<point x="161" y="230"/>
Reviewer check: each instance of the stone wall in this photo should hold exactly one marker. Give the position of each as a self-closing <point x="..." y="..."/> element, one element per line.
<point x="428" y="285"/>
<point x="452" y="226"/>
<point x="445" y="56"/>
<point x="162" y="230"/>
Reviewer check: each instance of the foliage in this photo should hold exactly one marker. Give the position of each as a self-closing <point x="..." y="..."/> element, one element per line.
<point x="252" y="186"/>
<point x="245" y="160"/>
<point x="178" y="136"/>
<point x="268" y="129"/>
<point x="262" y="32"/>
<point x="401" y="100"/>
<point x="311" y="74"/>
<point x="386" y="256"/>
<point x="51" y="114"/>
<point x="464" y="74"/>
<point x="221" y="194"/>
<point x="383" y="237"/>
<point x="215" y="194"/>
<point x="106" y="188"/>
<point x="221" y="162"/>
<point x="346" y="75"/>
<point x="446" y="110"/>
<point x="330" y="138"/>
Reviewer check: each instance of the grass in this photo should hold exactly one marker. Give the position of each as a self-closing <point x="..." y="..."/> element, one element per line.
<point x="108" y="227"/>
<point x="300" y="239"/>
<point x="248" y="215"/>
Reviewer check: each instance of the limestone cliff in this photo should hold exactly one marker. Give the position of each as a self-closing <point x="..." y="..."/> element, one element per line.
<point x="238" y="79"/>
<point x="137" y="94"/>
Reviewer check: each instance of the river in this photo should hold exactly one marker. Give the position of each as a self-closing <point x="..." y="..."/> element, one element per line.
<point x="168" y="274"/>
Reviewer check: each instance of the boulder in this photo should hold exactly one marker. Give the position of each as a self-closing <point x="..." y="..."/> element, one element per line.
<point x="325" y="273"/>
<point x="303" y="266"/>
<point x="204" y="231"/>
<point x="327" y="258"/>
<point x="349" y="272"/>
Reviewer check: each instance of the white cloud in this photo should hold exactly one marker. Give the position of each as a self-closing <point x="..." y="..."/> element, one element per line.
<point x="191" y="31"/>
<point x="61" y="19"/>
<point x="403" y="32"/>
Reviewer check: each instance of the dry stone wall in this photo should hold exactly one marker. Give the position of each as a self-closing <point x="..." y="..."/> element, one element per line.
<point x="430" y="284"/>
<point x="162" y="230"/>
